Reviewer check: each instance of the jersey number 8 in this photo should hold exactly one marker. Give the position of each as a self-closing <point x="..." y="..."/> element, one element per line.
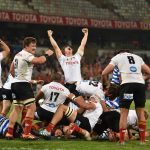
<point x="131" y="59"/>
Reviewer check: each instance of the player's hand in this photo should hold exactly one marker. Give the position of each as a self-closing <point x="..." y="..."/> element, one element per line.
<point x="2" y="42"/>
<point x="37" y="81"/>
<point x="49" y="52"/>
<point x="71" y="95"/>
<point x="40" y="82"/>
<point x="50" y="32"/>
<point x="85" y="30"/>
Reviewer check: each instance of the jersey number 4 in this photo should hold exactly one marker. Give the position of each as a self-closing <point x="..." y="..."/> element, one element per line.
<point x="54" y="96"/>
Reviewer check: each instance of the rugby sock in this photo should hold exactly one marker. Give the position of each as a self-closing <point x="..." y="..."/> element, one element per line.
<point x="10" y="131"/>
<point x="50" y="127"/>
<point x="28" y="125"/>
<point x="122" y="135"/>
<point x="76" y="128"/>
<point x="142" y="129"/>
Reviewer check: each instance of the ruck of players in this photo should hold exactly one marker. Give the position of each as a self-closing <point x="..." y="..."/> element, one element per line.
<point x="70" y="106"/>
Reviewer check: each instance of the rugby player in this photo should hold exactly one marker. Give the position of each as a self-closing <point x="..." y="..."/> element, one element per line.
<point x="85" y="121"/>
<point x="3" y="54"/>
<point x="54" y="94"/>
<point x="7" y="95"/>
<point x="21" y="69"/>
<point x="71" y="64"/>
<point x="132" y="88"/>
<point x="4" y="122"/>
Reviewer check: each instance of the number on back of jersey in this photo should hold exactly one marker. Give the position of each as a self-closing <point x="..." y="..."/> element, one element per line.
<point x="15" y="66"/>
<point x="131" y="60"/>
<point x="54" y="96"/>
<point x="94" y="83"/>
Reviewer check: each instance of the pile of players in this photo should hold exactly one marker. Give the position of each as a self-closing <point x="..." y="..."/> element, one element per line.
<point x="77" y="107"/>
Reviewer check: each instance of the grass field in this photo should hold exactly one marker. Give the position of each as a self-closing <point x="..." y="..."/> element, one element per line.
<point x="74" y="144"/>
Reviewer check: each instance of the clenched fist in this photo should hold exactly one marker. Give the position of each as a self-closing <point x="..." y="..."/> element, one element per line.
<point x="49" y="52"/>
<point x="85" y="30"/>
<point x="50" y="32"/>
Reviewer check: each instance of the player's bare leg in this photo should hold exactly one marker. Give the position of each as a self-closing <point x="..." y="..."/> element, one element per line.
<point x="1" y="106"/>
<point x="28" y="122"/>
<point x="61" y="111"/>
<point x="6" y="107"/>
<point x="74" y="128"/>
<point x="12" y="119"/>
<point x="123" y="124"/>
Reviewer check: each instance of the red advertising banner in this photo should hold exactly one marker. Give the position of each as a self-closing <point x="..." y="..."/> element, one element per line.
<point x="72" y="21"/>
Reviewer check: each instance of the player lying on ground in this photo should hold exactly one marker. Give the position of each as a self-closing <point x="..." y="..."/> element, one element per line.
<point x="85" y="121"/>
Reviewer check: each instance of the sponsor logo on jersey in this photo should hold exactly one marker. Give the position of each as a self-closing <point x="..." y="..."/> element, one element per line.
<point x="4" y="96"/>
<point x="50" y="105"/>
<point x="133" y="69"/>
<point x="56" y="88"/>
<point x="13" y="96"/>
<point x="78" y="122"/>
<point x="72" y="62"/>
<point x="128" y="96"/>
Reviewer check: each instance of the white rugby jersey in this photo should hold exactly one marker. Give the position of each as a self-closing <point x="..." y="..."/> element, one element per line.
<point x="9" y="81"/>
<point x="88" y="88"/>
<point x="93" y="115"/>
<point x="71" y="67"/>
<point x="132" y="118"/>
<point x="129" y="66"/>
<point x="55" y="94"/>
<point x="22" y="66"/>
<point x="1" y="57"/>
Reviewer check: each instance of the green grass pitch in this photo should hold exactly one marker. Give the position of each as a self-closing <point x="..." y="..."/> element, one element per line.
<point x="75" y="144"/>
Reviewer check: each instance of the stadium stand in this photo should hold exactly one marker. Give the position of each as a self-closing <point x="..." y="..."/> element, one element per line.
<point x="126" y="10"/>
<point x="104" y="9"/>
<point x="74" y="8"/>
<point x="16" y="5"/>
<point x="132" y="10"/>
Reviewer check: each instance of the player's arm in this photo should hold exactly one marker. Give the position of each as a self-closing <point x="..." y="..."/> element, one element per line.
<point x="83" y="42"/>
<point x="38" y="97"/>
<point x="42" y="59"/>
<point x="146" y="69"/>
<point x="84" y="105"/>
<point x="5" y="48"/>
<point x="11" y="70"/>
<point x="54" y="44"/>
<point x="103" y="104"/>
<point x="104" y="78"/>
<point x="80" y="102"/>
<point x="80" y="110"/>
<point x="37" y="81"/>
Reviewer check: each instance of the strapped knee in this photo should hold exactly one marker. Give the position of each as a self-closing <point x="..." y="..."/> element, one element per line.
<point x="69" y="112"/>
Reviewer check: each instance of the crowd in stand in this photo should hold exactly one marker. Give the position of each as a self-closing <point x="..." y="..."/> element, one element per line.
<point x="90" y="69"/>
